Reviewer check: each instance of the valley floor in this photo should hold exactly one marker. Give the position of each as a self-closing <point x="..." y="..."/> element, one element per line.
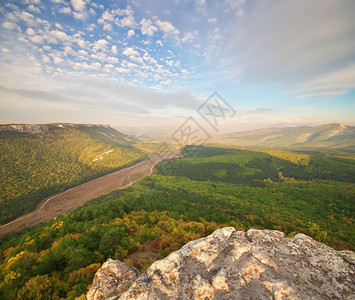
<point x="63" y="202"/>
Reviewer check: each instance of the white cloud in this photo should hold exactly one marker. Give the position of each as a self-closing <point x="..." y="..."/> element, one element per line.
<point x="56" y="57"/>
<point x="13" y="6"/>
<point x="81" y="42"/>
<point x="149" y="59"/>
<point x="95" y="66"/>
<point x="114" y="49"/>
<point x="30" y="31"/>
<point x="79" y="15"/>
<point x="91" y="27"/>
<point x="60" y="27"/>
<point x="190" y="36"/>
<point x="128" y="21"/>
<point x="138" y="60"/>
<point x="10" y="25"/>
<point x="100" y="45"/>
<point x="82" y="53"/>
<point x="170" y="63"/>
<point x="28" y="18"/>
<point x="69" y="51"/>
<point x="130" y="52"/>
<point x="159" y="42"/>
<point x="5" y="50"/>
<point x="200" y="3"/>
<point x="78" y="5"/>
<point x="34" y="9"/>
<point x="36" y="39"/>
<point x="333" y="83"/>
<point x="133" y="55"/>
<point x="212" y="20"/>
<point x="235" y="6"/>
<point x="166" y="82"/>
<point x="107" y="26"/>
<point x="45" y="59"/>
<point x="59" y="35"/>
<point x="130" y="33"/>
<point x="12" y="17"/>
<point x="296" y="52"/>
<point x="112" y="60"/>
<point x="157" y="77"/>
<point x="167" y="27"/>
<point x="147" y="27"/>
<point x="92" y="11"/>
<point x="106" y="19"/>
<point x="65" y="10"/>
<point x="128" y="11"/>
<point x="107" y="16"/>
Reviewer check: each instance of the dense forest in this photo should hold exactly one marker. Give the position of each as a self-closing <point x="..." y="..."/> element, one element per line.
<point x="34" y="166"/>
<point x="185" y="199"/>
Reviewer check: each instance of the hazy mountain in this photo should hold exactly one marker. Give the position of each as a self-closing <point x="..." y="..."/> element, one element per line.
<point x="150" y="132"/>
<point x="330" y="136"/>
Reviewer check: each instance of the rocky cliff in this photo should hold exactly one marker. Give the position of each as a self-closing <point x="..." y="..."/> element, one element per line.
<point x="39" y="128"/>
<point x="230" y="264"/>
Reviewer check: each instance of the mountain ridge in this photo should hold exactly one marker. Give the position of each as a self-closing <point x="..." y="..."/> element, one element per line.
<point x="331" y="136"/>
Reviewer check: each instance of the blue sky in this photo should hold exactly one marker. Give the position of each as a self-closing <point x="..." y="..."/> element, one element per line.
<point x="146" y="63"/>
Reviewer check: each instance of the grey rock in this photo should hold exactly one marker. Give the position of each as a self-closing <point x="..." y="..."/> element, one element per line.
<point x="111" y="280"/>
<point x="258" y="264"/>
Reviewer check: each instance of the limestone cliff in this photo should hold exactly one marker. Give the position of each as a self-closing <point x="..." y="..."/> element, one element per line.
<point x="230" y="264"/>
<point x="40" y="128"/>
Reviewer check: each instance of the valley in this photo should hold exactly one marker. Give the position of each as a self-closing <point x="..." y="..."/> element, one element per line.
<point x="138" y="205"/>
<point x="181" y="200"/>
<point x="75" y="197"/>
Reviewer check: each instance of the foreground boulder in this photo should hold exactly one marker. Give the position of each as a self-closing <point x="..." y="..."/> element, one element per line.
<point x="258" y="264"/>
<point x="112" y="279"/>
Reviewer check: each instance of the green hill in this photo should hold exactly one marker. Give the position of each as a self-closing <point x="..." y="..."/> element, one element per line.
<point x="330" y="136"/>
<point x="40" y="160"/>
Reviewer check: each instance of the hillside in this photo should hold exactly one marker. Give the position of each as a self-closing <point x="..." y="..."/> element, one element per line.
<point x="40" y="160"/>
<point x="186" y="199"/>
<point x="330" y="136"/>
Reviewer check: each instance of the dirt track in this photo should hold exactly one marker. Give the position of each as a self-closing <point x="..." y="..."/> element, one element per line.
<point x="63" y="202"/>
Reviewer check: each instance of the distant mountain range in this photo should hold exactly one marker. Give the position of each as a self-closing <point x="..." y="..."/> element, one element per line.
<point x="330" y="136"/>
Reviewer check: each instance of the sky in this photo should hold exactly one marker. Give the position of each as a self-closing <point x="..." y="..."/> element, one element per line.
<point x="153" y="63"/>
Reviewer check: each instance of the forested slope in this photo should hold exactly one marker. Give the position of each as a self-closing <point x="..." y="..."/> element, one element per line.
<point x="211" y="189"/>
<point x="37" y="164"/>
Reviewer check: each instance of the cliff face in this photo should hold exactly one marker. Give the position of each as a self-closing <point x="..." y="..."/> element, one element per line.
<point x="32" y="128"/>
<point x="39" y="128"/>
<point x="258" y="264"/>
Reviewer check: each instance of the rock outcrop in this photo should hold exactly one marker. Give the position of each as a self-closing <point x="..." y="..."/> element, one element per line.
<point x="112" y="279"/>
<point x="28" y="128"/>
<point x="40" y="128"/>
<point x="258" y="264"/>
